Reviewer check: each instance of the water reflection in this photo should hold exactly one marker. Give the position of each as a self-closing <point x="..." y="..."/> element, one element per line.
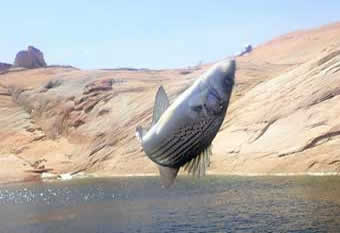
<point x="212" y="204"/>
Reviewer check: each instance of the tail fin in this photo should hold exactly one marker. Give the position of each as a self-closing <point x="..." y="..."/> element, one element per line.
<point x="168" y="175"/>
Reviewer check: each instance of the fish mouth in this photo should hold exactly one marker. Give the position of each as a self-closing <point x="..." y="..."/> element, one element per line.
<point x="228" y="65"/>
<point x="231" y="68"/>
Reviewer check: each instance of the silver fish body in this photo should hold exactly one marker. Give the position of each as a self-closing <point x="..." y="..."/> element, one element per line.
<point x="185" y="129"/>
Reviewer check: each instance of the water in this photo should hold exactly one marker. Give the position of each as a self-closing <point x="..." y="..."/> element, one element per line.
<point x="211" y="204"/>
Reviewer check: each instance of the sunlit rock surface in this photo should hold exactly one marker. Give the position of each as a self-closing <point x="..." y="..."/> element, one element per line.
<point x="283" y="117"/>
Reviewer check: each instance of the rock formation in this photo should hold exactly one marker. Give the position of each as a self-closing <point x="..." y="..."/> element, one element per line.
<point x="247" y="49"/>
<point x="4" y="66"/>
<point x="283" y="117"/>
<point x="30" y="58"/>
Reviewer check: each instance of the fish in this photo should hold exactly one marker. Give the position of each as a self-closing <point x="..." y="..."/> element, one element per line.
<point x="181" y="134"/>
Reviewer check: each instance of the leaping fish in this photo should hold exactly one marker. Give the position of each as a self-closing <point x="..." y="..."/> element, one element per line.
<point x="181" y="133"/>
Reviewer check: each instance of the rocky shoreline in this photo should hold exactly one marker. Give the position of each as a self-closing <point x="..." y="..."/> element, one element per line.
<point x="283" y="117"/>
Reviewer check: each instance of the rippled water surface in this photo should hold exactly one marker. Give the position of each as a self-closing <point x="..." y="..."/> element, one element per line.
<point x="211" y="204"/>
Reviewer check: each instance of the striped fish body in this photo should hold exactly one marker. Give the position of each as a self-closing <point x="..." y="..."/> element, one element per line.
<point x="178" y="136"/>
<point x="182" y="133"/>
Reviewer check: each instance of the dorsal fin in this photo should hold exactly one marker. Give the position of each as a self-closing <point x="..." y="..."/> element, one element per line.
<point x="161" y="104"/>
<point x="140" y="132"/>
<point x="199" y="165"/>
<point x="168" y="175"/>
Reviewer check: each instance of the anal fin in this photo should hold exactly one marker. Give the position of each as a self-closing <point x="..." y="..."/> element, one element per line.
<point x="168" y="175"/>
<point x="198" y="165"/>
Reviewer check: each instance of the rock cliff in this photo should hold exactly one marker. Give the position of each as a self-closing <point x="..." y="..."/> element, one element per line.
<point x="30" y="58"/>
<point x="283" y="116"/>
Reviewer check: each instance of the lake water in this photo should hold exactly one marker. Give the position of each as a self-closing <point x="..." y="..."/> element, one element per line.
<point x="210" y="204"/>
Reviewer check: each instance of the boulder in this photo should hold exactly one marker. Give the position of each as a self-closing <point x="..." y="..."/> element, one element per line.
<point x="99" y="85"/>
<point x="30" y="58"/>
<point x="246" y="50"/>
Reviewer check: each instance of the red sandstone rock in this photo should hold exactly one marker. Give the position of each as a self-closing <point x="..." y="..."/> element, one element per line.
<point x="30" y="58"/>
<point x="283" y="116"/>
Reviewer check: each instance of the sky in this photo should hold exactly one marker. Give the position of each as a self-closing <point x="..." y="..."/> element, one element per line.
<point x="150" y="34"/>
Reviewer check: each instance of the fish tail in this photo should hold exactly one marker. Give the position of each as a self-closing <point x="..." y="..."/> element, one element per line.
<point x="168" y="175"/>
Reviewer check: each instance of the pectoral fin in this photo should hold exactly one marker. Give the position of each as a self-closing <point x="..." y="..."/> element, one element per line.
<point x="161" y="104"/>
<point x="168" y="175"/>
<point x="197" y="101"/>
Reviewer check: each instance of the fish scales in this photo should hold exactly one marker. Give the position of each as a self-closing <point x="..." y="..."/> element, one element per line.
<point x="190" y="134"/>
<point x="182" y="133"/>
<point x="186" y="153"/>
<point x="182" y="136"/>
